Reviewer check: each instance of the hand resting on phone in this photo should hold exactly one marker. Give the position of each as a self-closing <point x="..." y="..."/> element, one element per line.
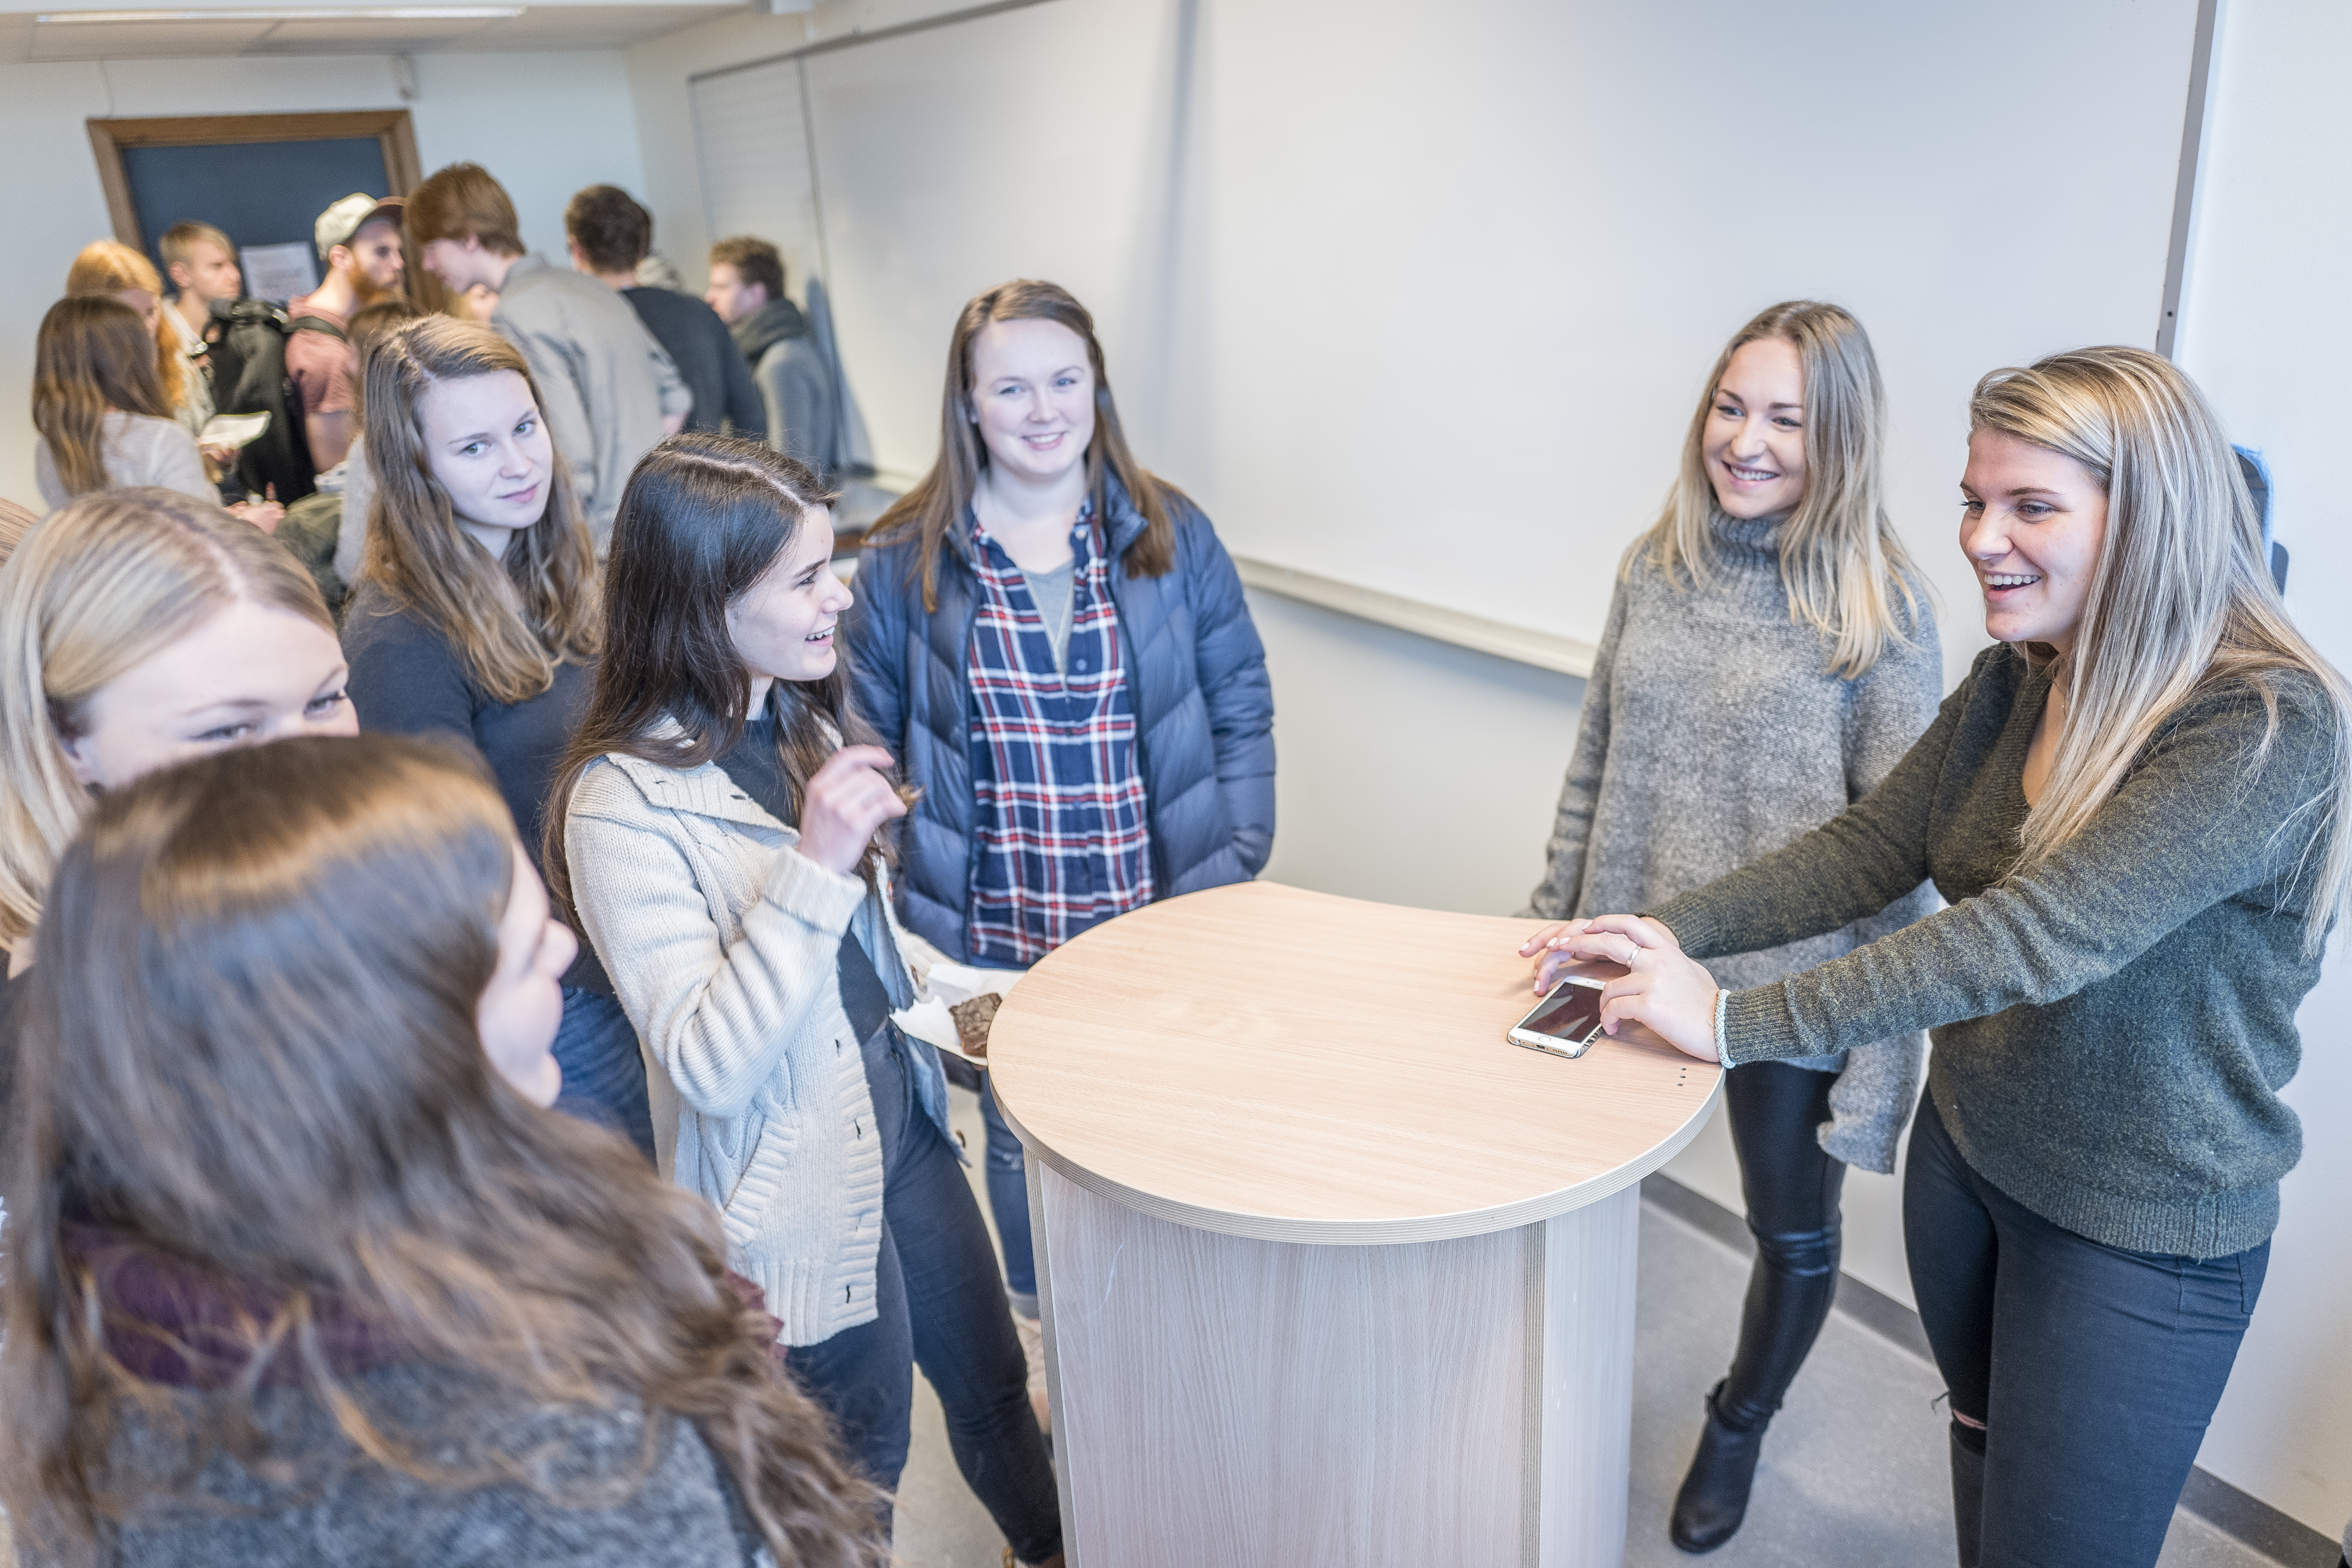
<point x="1672" y="993"/>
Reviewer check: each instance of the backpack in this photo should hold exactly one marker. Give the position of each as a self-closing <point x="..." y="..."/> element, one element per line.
<point x="249" y="377"/>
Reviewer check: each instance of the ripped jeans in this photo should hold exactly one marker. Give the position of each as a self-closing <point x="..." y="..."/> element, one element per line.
<point x="2081" y="1375"/>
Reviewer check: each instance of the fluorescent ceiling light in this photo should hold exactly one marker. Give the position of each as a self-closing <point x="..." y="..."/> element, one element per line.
<point x="294" y="14"/>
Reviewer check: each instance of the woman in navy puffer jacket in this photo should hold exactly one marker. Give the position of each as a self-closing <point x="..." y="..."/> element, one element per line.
<point x="1057" y="650"/>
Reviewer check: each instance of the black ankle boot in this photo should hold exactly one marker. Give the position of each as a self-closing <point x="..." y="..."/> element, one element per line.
<point x="1713" y="1497"/>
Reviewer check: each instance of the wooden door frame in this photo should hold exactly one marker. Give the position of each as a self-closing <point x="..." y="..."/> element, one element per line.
<point x="393" y="130"/>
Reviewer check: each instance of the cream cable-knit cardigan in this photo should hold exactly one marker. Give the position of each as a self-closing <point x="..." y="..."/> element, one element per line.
<point x="722" y="939"/>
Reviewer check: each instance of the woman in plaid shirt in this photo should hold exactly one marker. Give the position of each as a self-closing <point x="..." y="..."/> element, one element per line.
<point x="1057" y="650"/>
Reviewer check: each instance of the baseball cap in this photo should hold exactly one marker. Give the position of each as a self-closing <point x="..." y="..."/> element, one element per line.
<point x="347" y="217"/>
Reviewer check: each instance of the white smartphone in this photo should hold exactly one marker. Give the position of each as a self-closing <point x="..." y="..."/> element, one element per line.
<point x="1566" y="1022"/>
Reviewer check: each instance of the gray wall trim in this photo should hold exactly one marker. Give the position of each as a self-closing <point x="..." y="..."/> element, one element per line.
<point x="2184" y="188"/>
<point x="2240" y="1515"/>
<point x="851" y="40"/>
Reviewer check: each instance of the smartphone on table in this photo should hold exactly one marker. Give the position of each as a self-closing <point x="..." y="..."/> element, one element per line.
<point x="1566" y="1022"/>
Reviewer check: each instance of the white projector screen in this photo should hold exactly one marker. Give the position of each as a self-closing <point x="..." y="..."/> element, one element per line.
<point x="1420" y="295"/>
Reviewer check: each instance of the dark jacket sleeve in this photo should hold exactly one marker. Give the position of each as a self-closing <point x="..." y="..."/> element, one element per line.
<point x="406" y="679"/>
<point x="747" y="411"/>
<point x="1230" y="661"/>
<point x="874" y="630"/>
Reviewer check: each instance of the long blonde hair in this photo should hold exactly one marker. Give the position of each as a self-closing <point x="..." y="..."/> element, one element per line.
<point x="276" y="1089"/>
<point x="511" y="634"/>
<point x="110" y="267"/>
<point x="2180" y="602"/>
<point x="96" y="589"/>
<point x="1841" y="563"/>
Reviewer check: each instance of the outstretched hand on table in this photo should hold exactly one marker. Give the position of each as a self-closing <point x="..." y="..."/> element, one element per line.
<point x="1672" y="993"/>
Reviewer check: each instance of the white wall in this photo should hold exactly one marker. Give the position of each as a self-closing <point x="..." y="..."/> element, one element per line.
<point x="544" y="123"/>
<point x="1305" y="226"/>
<point x="1385" y="266"/>
<point x="2265" y="331"/>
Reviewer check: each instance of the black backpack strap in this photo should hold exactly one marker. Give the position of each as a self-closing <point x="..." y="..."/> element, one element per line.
<point x="317" y="324"/>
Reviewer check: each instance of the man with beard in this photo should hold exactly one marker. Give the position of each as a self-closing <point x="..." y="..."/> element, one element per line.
<point x="358" y="239"/>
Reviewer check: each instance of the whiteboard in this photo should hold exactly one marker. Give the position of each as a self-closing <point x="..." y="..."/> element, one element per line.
<point x="750" y="134"/>
<point x="1420" y="297"/>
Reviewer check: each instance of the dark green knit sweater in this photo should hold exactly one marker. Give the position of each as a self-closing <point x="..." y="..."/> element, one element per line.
<point x="2112" y="1024"/>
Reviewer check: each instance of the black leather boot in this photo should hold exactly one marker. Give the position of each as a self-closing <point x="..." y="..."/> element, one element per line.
<point x="1967" y="1494"/>
<point x="1789" y="1290"/>
<point x="1713" y="1497"/>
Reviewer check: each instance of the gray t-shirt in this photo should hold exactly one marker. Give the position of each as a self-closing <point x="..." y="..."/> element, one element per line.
<point x="1052" y="593"/>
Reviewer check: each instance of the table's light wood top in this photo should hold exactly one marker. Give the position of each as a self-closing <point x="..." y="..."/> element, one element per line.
<point x="1267" y="1062"/>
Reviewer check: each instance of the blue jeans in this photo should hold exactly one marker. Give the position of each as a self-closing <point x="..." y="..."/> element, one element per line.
<point x="1008" y="1201"/>
<point x="604" y="1072"/>
<point x="2081" y="1375"/>
<point x="936" y="1303"/>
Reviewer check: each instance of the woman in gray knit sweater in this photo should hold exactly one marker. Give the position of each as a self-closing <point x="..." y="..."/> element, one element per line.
<point x="1769" y="655"/>
<point x="2134" y="806"/>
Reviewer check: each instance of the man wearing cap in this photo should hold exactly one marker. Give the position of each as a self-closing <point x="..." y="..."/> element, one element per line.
<point x="359" y="240"/>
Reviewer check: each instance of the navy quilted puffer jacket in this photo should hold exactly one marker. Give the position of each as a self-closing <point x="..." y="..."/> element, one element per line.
<point x="1203" y="706"/>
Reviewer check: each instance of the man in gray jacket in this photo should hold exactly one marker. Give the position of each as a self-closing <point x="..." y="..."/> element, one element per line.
<point x="796" y="381"/>
<point x="609" y="389"/>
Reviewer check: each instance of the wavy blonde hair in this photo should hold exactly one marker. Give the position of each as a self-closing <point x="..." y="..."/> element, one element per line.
<point x="110" y="267"/>
<point x="511" y="633"/>
<point x="96" y="588"/>
<point x="2181" y="600"/>
<point x="1841" y="563"/>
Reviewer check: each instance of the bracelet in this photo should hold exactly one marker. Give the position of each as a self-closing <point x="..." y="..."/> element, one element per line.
<point x="1722" y="1042"/>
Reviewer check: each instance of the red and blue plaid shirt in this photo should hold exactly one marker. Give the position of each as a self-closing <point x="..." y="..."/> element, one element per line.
<point x="1065" y="839"/>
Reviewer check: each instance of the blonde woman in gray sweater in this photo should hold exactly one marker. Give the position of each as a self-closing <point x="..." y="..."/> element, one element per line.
<point x="1770" y="654"/>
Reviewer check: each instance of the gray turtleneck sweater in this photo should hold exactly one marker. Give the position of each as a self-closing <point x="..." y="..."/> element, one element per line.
<point x="1713" y="734"/>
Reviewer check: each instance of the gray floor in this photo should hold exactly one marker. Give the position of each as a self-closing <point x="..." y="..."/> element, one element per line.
<point x="1853" y="1475"/>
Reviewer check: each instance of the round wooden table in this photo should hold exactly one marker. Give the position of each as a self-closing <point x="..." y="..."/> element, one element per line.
<point x="1331" y="1272"/>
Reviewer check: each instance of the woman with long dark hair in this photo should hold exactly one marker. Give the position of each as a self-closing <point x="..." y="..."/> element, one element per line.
<point x="716" y="831"/>
<point x="1057" y="646"/>
<point x="299" y="1268"/>
<point x="476" y="616"/>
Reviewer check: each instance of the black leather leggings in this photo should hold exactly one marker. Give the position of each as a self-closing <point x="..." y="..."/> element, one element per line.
<point x="1791" y="1188"/>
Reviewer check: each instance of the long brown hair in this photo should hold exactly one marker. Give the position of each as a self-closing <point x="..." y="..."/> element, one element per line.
<point x="511" y="633"/>
<point x="703" y="519"/>
<point x="1842" y="564"/>
<point x="230" y="1060"/>
<point x="96" y="588"/>
<point x="937" y="505"/>
<point x="2181" y="601"/>
<point x="92" y="354"/>
<point x="109" y="267"/>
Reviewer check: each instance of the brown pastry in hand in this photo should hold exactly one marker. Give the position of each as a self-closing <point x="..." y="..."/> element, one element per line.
<point x="971" y="1021"/>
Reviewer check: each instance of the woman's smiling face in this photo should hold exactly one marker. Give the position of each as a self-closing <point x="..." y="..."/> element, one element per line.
<point x="1032" y="396"/>
<point x="2032" y="522"/>
<point x="784" y="625"/>
<point x="1754" y="448"/>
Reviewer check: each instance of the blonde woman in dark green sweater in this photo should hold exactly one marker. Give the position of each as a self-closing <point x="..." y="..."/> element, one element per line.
<point x="2133" y="807"/>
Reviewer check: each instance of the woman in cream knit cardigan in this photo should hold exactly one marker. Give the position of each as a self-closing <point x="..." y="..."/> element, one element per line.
<point x="715" y="831"/>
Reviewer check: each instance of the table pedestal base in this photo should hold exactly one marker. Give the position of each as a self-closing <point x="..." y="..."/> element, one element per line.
<point x="1224" y="1399"/>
